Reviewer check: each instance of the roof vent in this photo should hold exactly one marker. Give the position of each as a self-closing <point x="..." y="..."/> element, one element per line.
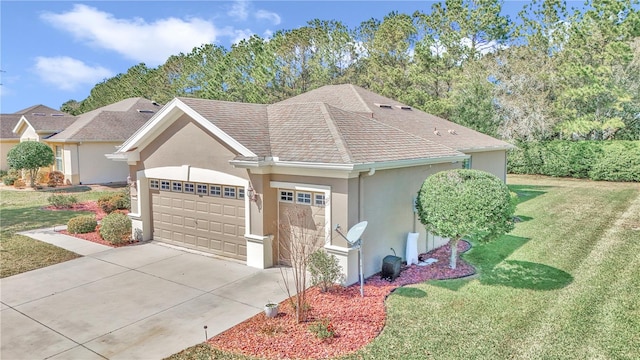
<point x="155" y="103"/>
<point x="384" y="106"/>
<point x="145" y="111"/>
<point x="403" y="107"/>
<point x="57" y="114"/>
<point x="39" y="114"/>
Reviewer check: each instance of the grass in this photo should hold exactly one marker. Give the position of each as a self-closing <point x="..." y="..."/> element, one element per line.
<point x="21" y="211"/>
<point x="563" y="285"/>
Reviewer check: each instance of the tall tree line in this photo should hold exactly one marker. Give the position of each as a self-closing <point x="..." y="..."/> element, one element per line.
<point x="551" y="73"/>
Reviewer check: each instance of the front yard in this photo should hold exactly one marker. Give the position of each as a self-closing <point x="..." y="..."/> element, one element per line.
<point x="563" y="285"/>
<point x="22" y="210"/>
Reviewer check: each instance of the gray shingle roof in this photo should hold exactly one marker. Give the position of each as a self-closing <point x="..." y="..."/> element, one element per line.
<point x="44" y="113"/>
<point x="115" y="122"/>
<point x="414" y="121"/>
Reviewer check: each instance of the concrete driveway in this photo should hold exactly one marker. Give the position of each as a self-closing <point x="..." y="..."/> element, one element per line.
<point x="138" y="302"/>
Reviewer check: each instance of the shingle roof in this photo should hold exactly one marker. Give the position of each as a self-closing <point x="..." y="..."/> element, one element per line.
<point x="40" y="114"/>
<point x="115" y="122"/>
<point x="353" y="98"/>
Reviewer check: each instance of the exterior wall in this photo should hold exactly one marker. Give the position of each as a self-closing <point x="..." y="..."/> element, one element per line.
<point x="92" y="166"/>
<point x="29" y="134"/>
<point x="494" y="162"/>
<point x="386" y="203"/>
<point x="5" y="146"/>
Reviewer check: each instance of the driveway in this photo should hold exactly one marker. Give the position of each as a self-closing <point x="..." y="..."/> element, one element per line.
<point x="138" y="302"/>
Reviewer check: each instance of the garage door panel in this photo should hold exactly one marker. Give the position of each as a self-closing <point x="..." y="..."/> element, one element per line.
<point x="208" y="223"/>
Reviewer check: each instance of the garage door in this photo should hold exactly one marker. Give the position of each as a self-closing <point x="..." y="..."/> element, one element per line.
<point x="206" y="217"/>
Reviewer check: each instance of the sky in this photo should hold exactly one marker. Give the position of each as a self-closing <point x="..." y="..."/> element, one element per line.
<point x="55" y="51"/>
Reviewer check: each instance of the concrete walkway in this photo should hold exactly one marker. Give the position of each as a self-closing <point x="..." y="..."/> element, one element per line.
<point x="144" y="301"/>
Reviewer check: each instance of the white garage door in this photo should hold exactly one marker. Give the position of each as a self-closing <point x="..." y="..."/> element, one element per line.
<point x="206" y="217"/>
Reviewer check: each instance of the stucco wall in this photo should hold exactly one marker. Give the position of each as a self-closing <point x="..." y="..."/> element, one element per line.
<point x="387" y="205"/>
<point x="494" y="162"/>
<point x="5" y="146"/>
<point x="95" y="168"/>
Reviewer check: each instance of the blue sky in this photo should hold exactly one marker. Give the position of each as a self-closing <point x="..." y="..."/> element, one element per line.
<point x="53" y="51"/>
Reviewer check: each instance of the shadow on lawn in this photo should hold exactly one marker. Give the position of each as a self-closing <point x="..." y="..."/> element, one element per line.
<point x="493" y="269"/>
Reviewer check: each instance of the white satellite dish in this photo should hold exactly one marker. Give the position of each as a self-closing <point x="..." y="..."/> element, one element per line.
<point x="353" y="238"/>
<point x="353" y="235"/>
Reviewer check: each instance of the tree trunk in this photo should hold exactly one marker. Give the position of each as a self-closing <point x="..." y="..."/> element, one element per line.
<point x="453" y="244"/>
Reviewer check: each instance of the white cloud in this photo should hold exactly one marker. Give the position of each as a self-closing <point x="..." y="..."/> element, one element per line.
<point x="268" y="15"/>
<point x="67" y="73"/>
<point x="238" y="35"/>
<point x="239" y="10"/>
<point x="137" y="39"/>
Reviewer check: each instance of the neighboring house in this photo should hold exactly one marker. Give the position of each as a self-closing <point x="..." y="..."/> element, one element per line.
<point x="9" y="139"/>
<point x="220" y="176"/>
<point x="81" y="142"/>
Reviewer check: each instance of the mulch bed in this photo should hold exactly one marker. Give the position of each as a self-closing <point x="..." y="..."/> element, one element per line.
<point x="94" y="236"/>
<point x="357" y="320"/>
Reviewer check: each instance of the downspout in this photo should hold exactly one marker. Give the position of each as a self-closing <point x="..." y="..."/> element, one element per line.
<point x="361" y="193"/>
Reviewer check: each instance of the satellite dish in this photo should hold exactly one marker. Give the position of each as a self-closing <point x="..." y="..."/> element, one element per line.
<point x="356" y="231"/>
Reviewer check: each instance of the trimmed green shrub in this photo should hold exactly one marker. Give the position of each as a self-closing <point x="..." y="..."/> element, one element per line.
<point x="325" y="269"/>
<point x="82" y="224"/>
<point x="3" y="173"/>
<point x="9" y="179"/>
<point x="596" y="160"/>
<point x="115" y="201"/>
<point x="116" y="228"/>
<point x="60" y="201"/>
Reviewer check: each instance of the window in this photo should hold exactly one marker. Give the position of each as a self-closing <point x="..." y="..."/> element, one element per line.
<point x="165" y="185"/>
<point x="318" y="200"/>
<point x="154" y="184"/>
<point x="189" y="188"/>
<point x="229" y="192"/>
<point x="215" y="190"/>
<point x="176" y="186"/>
<point x="466" y="164"/>
<point x="303" y="197"/>
<point x="286" y="196"/>
<point x="59" y="163"/>
<point x="240" y="193"/>
<point x="201" y="189"/>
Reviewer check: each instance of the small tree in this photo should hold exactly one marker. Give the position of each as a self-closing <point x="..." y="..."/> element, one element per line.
<point x="30" y="156"/>
<point x="461" y="202"/>
<point x="300" y="236"/>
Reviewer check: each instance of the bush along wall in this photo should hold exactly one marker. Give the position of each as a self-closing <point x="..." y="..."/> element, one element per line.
<point x="595" y="160"/>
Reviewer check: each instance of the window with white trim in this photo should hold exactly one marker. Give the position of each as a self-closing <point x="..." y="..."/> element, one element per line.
<point x="201" y="189"/>
<point x="59" y="162"/>
<point x="189" y="188"/>
<point x="286" y="196"/>
<point x="240" y="193"/>
<point x="215" y="190"/>
<point x="319" y="200"/>
<point x="165" y="185"/>
<point x="154" y="184"/>
<point x="229" y="191"/>
<point x="176" y="186"/>
<point x="303" y="197"/>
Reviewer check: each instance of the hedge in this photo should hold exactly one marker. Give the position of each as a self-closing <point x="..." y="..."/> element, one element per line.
<point x="596" y="160"/>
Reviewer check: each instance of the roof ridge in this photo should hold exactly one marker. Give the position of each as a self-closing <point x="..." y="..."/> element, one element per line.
<point x="335" y="134"/>
<point x="353" y="88"/>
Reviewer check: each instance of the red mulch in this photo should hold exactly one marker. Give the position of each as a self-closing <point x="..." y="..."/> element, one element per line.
<point x="91" y="206"/>
<point x="357" y="320"/>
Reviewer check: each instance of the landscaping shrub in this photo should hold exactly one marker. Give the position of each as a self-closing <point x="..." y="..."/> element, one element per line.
<point x="60" y="201"/>
<point x="116" y="228"/>
<point x="9" y="179"/>
<point x="82" y="224"/>
<point x="19" y="184"/>
<point x="56" y="178"/>
<point x="324" y="269"/>
<point x="323" y="329"/>
<point x="596" y="160"/>
<point x="115" y="201"/>
<point x="3" y="173"/>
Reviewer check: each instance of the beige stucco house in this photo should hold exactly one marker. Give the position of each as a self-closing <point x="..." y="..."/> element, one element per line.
<point x="9" y="139"/>
<point x="81" y="142"/>
<point x="220" y="176"/>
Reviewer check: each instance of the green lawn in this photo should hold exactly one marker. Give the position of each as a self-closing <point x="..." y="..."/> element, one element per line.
<point x="563" y="285"/>
<point x="22" y="210"/>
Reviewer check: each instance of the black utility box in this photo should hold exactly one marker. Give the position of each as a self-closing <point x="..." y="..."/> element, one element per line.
<point x="391" y="267"/>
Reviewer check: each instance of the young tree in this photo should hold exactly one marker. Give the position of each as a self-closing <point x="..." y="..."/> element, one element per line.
<point x="461" y="202"/>
<point x="30" y="156"/>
